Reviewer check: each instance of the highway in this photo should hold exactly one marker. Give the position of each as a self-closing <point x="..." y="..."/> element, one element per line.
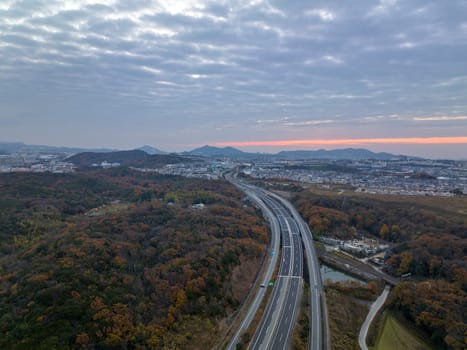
<point x="319" y="329"/>
<point x="278" y="321"/>
<point x="270" y="264"/>
<point x="277" y="325"/>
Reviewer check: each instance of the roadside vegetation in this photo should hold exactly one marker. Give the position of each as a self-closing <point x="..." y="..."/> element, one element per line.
<point x="301" y="332"/>
<point x="147" y="272"/>
<point x="346" y="316"/>
<point x="348" y="304"/>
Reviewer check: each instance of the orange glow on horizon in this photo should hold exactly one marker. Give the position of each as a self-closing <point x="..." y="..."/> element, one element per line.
<point x="350" y="142"/>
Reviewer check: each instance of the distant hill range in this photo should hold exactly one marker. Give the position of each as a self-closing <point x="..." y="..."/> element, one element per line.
<point x="136" y="158"/>
<point x="205" y="151"/>
<point x="151" y="150"/>
<point x="20" y="147"/>
<point x="217" y="152"/>
<point x="346" y="153"/>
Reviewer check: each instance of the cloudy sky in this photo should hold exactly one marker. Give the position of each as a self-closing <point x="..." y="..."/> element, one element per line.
<point x="257" y="74"/>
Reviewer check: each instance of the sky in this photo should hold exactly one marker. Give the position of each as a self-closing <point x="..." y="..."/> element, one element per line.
<point x="260" y="75"/>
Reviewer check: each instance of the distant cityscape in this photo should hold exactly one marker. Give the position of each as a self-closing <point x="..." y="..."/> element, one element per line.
<point x="400" y="175"/>
<point x="416" y="178"/>
<point x="35" y="162"/>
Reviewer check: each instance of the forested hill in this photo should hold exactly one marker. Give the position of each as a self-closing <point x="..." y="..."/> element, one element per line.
<point x="118" y="259"/>
<point x="429" y="242"/>
<point x="137" y="158"/>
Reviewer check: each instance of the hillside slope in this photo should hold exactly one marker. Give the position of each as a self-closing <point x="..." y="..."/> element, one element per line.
<point x="137" y="158"/>
<point x="428" y="237"/>
<point x="101" y="260"/>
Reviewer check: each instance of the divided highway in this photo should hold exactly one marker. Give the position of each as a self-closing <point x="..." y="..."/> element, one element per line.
<point x="269" y="268"/>
<point x="277" y="325"/>
<point x="278" y="321"/>
<point x="319" y="328"/>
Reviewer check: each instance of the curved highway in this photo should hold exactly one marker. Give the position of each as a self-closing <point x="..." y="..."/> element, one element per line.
<point x="278" y="321"/>
<point x="319" y="330"/>
<point x="271" y="263"/>
<point x="277" y="325"/>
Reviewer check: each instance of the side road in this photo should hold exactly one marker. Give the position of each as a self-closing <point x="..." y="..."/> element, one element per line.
<point x="375" y="307"/>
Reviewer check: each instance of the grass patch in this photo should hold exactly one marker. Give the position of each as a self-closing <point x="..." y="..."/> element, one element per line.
<point x="107" y="209"/>
<point x="397" y="335"/>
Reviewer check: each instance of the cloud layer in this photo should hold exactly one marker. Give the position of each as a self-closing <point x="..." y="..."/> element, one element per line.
<point x="174" y="73"/>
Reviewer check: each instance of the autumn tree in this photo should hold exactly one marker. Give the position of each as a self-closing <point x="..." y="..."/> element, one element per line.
<point x="384" y="232"/>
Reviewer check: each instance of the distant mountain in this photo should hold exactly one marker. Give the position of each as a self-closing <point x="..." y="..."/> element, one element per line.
<point x="207" y="152"/>
<point x="10" y="147"/>
<point x="135" y="158"/>
<point x="151" y="150"/>
<point x="20" y="147"/>
<point x="346" y="153"/>
<point x="213" y="152"/>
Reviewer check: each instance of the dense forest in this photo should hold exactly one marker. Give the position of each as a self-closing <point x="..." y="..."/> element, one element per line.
<point x="118" y="259"/>
<point x="135" y="158"/>
<point x="428" y="237"/>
